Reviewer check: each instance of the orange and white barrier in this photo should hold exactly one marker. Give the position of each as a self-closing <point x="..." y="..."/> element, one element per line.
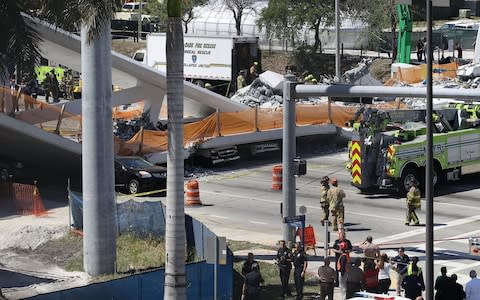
<point x="192" y="193"/>
<point x="277" y="178"/>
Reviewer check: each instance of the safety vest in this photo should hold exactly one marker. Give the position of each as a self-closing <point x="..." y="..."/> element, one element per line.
<point x="413" y="197"/>
<point x="410" y="269"/>
<point x="339" y="265"/>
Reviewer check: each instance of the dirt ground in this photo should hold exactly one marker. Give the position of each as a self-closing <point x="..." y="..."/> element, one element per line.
<point x="29" y="265"/>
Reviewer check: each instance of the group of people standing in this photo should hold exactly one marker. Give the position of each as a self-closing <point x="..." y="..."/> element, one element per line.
<point x="421" y="48"/>
<point x="285" y="260"/>
<point x="243" y="78"/>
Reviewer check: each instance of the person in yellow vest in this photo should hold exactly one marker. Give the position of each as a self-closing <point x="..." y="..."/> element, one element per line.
<point x="241" y="81"/>
<point x="335" y="198"/>
<point x="413" y="202"/>
<point x="324" y="187"/>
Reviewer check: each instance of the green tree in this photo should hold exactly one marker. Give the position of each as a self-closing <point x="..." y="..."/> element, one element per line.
<point x="159" y="9"/>
<point x="284" y="18"/>
<point x="238" y="8"/>
<point x="175" y="279"/>
<point x="378" y="15"/>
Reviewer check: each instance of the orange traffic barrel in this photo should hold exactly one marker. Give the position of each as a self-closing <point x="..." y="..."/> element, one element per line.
<point x="192" y="194"/>
<point x="277" y="178"/>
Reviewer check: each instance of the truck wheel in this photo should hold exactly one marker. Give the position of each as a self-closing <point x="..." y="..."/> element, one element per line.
<point x="437" y="177"/>
<point x="408" y="175"/>
<point x="133" y="186"/>
<point x="200" y="83"/>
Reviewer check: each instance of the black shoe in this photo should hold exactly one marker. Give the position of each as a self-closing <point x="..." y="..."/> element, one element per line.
<point x="289" y="294"/>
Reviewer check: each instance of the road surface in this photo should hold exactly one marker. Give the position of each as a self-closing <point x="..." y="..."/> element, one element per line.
<point x="240" y="204"/>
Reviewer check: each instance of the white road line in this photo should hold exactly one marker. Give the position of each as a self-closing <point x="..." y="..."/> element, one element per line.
<point x="276" y="202"/>
<point x="257" y="222"/>
<point x="220" y="217"/>
<point x="411" y="233"/>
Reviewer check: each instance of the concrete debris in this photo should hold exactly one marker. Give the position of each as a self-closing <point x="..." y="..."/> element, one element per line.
<point x="126" y="129"/>
<point x="267" y="91"/>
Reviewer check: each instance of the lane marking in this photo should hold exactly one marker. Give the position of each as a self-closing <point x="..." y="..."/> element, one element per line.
<point x="220" y="217"/>
<point x="258" y="222"/>
<point x="308" y="206"/>
<point x="411" y="233"/>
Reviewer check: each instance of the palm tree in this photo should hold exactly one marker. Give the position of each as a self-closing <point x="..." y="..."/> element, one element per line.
<point x="175" y="279"/>
<point x="18" y="39"/>
<point x="93" y="17"/>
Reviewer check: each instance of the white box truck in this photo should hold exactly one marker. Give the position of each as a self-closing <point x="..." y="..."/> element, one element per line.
<point x="216" y="60"/>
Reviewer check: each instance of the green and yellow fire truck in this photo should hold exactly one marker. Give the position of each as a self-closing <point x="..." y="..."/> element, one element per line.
<point x="387" y="149"/>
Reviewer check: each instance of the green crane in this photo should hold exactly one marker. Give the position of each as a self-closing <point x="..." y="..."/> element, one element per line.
<point x="404" y="32"/>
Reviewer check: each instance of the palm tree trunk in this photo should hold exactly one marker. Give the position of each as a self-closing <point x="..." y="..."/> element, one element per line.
<point x="175" y="282"/>
<point x="99" y="213"/>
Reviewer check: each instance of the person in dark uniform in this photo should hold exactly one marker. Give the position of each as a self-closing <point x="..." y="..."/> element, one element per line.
<point x="284" y="262"/>
<point x="413" y="285"/>
<point x="251" y="285"/>
<point x="300" y="263"/>
<point x="54" y="87"/>
<point x="47" y="86"/>
<point x="247" y="265"/>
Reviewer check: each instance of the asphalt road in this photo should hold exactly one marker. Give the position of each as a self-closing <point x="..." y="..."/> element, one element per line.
<point x="240" y="204"/>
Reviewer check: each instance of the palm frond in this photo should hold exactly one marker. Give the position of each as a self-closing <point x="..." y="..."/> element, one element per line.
<point x="96" y="15"/>
<point x="19" y="42"/>
<point x="71" y="14"/>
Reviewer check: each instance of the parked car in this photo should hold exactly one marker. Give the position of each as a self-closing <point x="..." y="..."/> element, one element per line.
<point x="135" y="175"/>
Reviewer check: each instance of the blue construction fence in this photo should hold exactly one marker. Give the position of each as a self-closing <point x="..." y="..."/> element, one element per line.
<point x="149" y="285"/>
<point x="143" y="217"/>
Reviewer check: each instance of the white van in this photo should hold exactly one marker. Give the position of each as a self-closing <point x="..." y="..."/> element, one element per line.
<point x="133" y="6"/>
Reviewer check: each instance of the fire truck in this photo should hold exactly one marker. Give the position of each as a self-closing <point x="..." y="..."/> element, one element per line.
<point x="387" y="148"/>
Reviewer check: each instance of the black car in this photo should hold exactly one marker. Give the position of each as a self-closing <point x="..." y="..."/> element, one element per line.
<point x="135" y="175"/>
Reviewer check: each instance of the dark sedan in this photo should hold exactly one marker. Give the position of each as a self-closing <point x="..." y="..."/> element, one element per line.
<point x="135" y="175"/>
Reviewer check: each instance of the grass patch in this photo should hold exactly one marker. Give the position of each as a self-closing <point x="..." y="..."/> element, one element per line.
<point x="133" y="253"/>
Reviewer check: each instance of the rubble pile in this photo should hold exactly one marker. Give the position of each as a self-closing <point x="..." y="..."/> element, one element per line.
<point x="266" y="90"/>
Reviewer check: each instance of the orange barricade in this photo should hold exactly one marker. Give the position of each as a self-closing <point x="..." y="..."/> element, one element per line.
<point x="192" y="196"/>
<point x="277" y="178"/>
<point x="27" y="199"/>
<point x="309" y="241"/>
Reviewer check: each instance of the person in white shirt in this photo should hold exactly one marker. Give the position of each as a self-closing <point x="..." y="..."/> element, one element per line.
<point x="472" y="288"/>
<point x="384" y="266"/>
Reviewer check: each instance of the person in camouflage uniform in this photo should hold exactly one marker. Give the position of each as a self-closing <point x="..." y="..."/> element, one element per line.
<point x="325" y="186"/>
<point x="335" y="198"/>
<point x="69" y="82"/>
<point x="413" y="202"/>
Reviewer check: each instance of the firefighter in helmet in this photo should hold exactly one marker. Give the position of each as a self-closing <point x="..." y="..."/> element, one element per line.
<point x="335" y="196"/>
<point x="413" y="202"/>
<point x="324" y="187"/>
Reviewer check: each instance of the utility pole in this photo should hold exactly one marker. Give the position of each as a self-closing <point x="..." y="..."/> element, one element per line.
<point x="429" y="162"/>
<point x="139" y="28"/>
<point x="337" y="42"/>
<point x="288" y="154"/>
